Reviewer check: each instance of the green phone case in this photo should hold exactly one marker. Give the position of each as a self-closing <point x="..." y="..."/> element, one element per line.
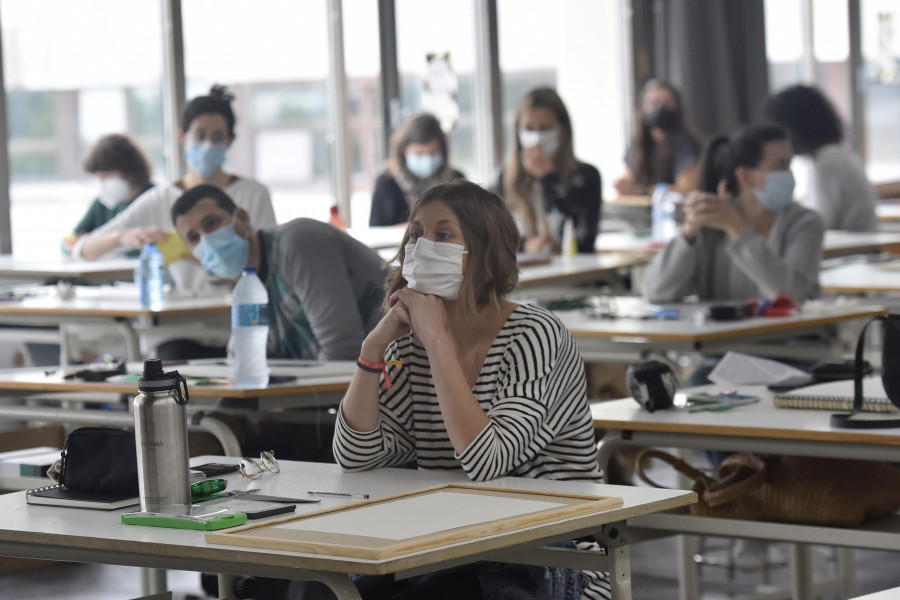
<point x="212" y="523"/>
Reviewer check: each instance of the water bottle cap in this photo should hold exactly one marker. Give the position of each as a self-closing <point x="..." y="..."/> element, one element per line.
<point x="250" y="270"/>
<point x="154" y="379"/>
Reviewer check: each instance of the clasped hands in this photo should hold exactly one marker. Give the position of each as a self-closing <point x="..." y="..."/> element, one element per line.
<point x="716" y="211"/>
<point x="410" y="310"/>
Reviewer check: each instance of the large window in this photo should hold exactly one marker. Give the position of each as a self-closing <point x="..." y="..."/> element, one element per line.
<point x="881" y="81"/>
<point x="577" y="47"/>
<point x="273" y="56"/>
<point x="438" y="27"/>
<point x="74" y="70"/>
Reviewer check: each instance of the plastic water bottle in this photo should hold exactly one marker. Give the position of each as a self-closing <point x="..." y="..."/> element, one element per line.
<point x="150" y="277"/>
<point x="569" y="244"/>
<point x="250" y="330"/>
<point x="662" y="205"/>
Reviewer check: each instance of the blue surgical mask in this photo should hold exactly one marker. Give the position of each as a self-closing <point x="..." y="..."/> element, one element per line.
<point x="779" y="191"/>
<point x="205" y="158"/>
<point x="424" y="166"/>
<point x="223" y="252"/>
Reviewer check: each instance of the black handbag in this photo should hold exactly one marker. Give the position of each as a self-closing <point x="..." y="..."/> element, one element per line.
<point x="100" y="459"/>
<point x="890" y="376"/>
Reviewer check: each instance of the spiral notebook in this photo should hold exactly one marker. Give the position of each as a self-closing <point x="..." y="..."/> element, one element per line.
<point x="60" y="495"/>
<point x="838" y="396"/>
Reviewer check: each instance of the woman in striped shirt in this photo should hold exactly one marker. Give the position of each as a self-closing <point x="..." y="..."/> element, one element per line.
<point x="491" y="387"/>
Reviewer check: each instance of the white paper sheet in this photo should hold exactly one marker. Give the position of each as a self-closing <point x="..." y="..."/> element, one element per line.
<point x="420" y="515"/>
<point x="742" y="369"/>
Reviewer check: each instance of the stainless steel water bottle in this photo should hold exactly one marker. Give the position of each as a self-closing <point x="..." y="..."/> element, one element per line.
<point x="160" y="432"/>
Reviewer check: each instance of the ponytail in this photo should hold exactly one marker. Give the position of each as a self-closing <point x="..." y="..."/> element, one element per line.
<point x="723" y="155"/>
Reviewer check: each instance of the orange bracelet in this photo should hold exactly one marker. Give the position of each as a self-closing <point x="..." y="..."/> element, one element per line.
<point x="373" y="367"/>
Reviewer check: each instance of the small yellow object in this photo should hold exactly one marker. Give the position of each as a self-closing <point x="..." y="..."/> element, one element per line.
<point x="173" y="248"/>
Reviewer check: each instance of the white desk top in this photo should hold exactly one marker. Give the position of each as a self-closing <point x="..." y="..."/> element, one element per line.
<point x="13" y="267"/>
<point x="760" y="420"/>
<point x="688" y="330"/>
<point x="111" y="301"/>
<point x="836" y="243"/>
<point x="379" y="238"/>
<point x="862" y="278"/>
<point x="576" y="268"/>
<point x="97" y="536"/>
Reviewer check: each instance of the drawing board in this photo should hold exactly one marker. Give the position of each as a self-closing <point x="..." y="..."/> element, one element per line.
<point x="418" y="520"/>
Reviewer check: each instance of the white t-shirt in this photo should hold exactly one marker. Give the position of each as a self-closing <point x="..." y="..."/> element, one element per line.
<point x="840" y="191"/>
<point x="154" y="207"/>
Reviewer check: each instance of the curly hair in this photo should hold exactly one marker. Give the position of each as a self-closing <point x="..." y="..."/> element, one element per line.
<point x="810" y="118"/>
<point x="217" y="102"/>
<point x="118" y="152"/>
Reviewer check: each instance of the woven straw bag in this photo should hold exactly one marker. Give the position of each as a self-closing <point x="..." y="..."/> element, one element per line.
<point x="789" y="489"/>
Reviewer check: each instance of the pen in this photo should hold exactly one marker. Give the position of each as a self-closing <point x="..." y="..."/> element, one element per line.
<point x="341" y="494"/>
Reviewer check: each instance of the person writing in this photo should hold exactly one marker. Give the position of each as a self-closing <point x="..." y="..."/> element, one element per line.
<point x="838" y="187"/>
<point x="206" y="132"/>
<point x="663" y="149"/>
<point x="325" y="288"/>
<point x="419" y="158"/>
<point x="542" y="182"/>
<point x="743" y="235"/>
<point x="122" y="172"/>
<point x="455" y="376"/>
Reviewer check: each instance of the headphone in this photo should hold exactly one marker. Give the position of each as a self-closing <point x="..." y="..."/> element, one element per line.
<point x="652" y="384"/>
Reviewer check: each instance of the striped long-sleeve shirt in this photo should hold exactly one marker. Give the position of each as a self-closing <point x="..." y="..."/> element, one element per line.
<point x="531" y="387"/>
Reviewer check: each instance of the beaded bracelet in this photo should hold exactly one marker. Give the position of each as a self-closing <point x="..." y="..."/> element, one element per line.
<point x="378" y="367"/>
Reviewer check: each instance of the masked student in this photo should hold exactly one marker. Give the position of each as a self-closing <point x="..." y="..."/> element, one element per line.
<point x="743" y="235"/>
<point x="838" y="187"/>
<point x="121" y="170"/>
<point x="542" y="182"/>
<point x="325" y="288"/>
<point x="206" y="131"/>
<point x="419" y="158"/>
<point x="663" y="148"/>
<point x="456" y="377"/>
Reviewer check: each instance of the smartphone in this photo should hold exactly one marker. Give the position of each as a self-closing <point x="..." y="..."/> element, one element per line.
<point x="215" y="469"/>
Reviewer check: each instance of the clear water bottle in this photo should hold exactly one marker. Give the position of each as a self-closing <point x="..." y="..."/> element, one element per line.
<point x="150" y="277"/>
<point x="160" y="430"/>
<point x="250" y="330"/>
<point x="662" y="205"/>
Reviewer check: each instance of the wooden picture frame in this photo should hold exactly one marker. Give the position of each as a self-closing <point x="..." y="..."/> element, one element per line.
<point x="413" y="521"/>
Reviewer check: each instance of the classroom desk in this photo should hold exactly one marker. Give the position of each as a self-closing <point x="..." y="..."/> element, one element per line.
<point x="598" y="337"/>
<point x="888" y="211"/>
<point x="379" y="238"/>
<point x="870" y="279"/>
<point x="97" y="536"/>
<point x="21" y="270"/>
<point x="118" y="306"/>
<point x="760" y="428"/>
<point x="836" y="243"/>
<point x="581" y="267"/>
<point x="317" y="386"/>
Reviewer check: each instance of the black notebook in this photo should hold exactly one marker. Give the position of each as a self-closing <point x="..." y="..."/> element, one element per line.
<point x="59" y="495"/>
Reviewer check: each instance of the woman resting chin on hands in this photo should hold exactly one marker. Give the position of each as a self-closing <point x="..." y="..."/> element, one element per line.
<point x="457" y="377"/>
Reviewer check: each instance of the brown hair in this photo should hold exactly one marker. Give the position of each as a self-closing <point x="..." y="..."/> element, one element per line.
<point x="118" y="152"/>
<point x="491" y="237"/>
<point x="648" y="161"/>
<point x="418" y="129"/>
<point x="517" y="183"/>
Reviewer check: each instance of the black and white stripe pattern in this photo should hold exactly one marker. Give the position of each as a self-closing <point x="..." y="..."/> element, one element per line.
<point x="532" y="387"/>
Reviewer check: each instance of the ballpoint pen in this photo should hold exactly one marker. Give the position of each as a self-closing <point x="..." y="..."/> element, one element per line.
<point x="340" y="494"/>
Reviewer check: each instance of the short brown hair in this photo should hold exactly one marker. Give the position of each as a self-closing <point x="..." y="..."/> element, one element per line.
<point x="492" y="240"/>
<point x="117" y="152"/>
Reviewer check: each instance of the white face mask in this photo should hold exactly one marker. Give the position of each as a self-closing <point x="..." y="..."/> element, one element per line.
<point x="114" y="191"/>
<point x="434" y="268"/>
<point x="548" y="140"/>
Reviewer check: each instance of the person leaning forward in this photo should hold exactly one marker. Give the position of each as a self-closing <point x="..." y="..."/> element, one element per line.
<point x="325" y="288"/>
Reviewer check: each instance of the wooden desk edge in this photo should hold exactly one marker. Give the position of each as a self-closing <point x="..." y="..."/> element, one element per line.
<point x="836" y="435"/>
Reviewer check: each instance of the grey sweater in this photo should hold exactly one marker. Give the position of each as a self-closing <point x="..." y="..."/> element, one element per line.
<point x="717" y="268"/>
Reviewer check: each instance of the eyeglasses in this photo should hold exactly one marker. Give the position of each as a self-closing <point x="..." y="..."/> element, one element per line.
<point x="253" y="469"/>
